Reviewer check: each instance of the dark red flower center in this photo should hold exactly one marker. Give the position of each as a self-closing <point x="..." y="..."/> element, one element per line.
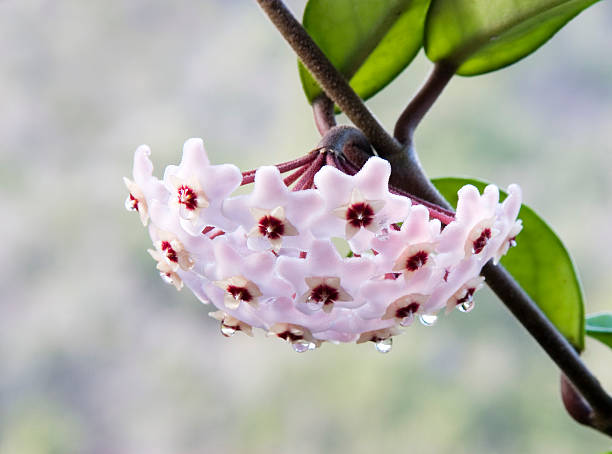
<point x="469" y="294"/>
<point x="239" y="293"/>
<point x="271" y="227"/>
<point x="170" y="252"/>
<point x="187" y="197"/>
<point x="480" y="242"/>
<point x="289" y="336"/>
<point x="133" y="204"/>
<point x="407" y="311"/>
<point x="324" y="294"/>
<point x="416" y="261"/>
<point x="360" y="214"/>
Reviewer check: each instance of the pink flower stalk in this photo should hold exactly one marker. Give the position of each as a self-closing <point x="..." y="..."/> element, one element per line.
<point x="269" y="259"/>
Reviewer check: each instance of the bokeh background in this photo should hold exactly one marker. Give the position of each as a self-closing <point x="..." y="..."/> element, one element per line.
<point x="98" y="355"/>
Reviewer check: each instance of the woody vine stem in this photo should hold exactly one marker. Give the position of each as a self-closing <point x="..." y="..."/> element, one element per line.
<point x="584" y="397"/>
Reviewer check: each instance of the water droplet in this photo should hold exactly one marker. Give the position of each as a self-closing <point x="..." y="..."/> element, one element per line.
<point x="384" y="345"/>
<point x="466" y="306"/>
<point x="407" y="321"/>
<point x="428" y="319"/>
<point x="303" y="345"/>
<point x="313" y="304"/>
<point x="166" y="277"/>
<point x="512" y="242"/>
<point x="131" y="204"/>
<point x="227" y="331"/>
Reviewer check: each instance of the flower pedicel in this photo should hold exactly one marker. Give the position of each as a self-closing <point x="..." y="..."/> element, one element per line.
<point x="267" y="259"/>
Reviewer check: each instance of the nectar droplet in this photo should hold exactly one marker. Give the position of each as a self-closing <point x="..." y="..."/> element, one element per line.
<point x="384" y="345"/>
<point x="428" y="319"/>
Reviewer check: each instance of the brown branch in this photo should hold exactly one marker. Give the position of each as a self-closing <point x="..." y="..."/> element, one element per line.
<point x="332" y="82"/>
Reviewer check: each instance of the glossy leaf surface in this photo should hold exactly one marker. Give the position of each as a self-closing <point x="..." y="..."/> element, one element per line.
<point x="369" y="41"/>
<point x="541" y="265"/>
<point x="478" y="36"/>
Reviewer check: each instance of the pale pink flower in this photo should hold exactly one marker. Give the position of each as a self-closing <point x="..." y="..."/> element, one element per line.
<point x="198" y="189"/>
<point x="358" y="206"/>
<point x="274" y="214"/>
<point x="229" y="324"/>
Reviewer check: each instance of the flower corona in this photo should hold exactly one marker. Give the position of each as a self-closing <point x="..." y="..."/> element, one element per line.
<point x="270" y="259"/>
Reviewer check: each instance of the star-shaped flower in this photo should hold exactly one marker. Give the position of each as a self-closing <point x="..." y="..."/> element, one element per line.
<point x="378" y="335"/>
<point x="170" y="250"/>
<point x="359" y="213"/>
<point x="323" y="292"/>
<point x="144" y="186"/>
<point x="357" y="206"/>
<point x="198" y="189"/>
<point x="239" y="289"/>
<point x="273" y="225"/>
<point x="230" y="325"/>
<point x="507" y="224"/>
<point x="473" y="227"/>
<point x="464" y="297"/>
<point x="325" y="277"/>
<point x="273" y="215"/>
<point x="404" y="309"/>
<point x="299" y="336"/>
<point x="169" y="275"/>
<point x="245" y="276"/>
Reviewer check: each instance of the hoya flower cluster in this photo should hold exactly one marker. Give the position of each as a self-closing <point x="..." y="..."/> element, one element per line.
<point x="271" y="259"/>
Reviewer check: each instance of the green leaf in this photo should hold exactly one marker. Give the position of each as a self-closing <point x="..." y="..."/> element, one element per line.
<point x="369" y="41"/>
<point x="540" y="264"/>
<point x="478" y="36"/>
<point x="599" y="326"/>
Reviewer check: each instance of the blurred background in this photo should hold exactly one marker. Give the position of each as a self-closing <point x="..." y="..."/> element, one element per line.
<point x="98" y="355"/>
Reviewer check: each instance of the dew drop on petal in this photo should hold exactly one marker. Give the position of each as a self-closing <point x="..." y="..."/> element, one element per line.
<point x="407" y="321"/>
<point x="303" y="345"/>
<point x="228" y="331"/>
<point x="384" y="345"/>
<point x="131" y="204"/>
<point x="166" y="277"/>
<point x="466" y="306"/>
<point x="313" y="305"/>
<point x="428" y="319"/>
